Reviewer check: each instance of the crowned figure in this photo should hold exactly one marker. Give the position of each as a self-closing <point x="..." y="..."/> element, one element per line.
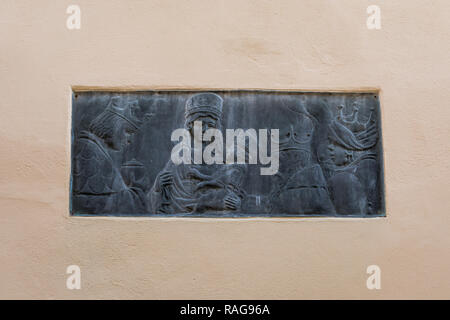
<point x="350" y="163"/>
<point x="300" y="186"/>
<point x="98" y="185"/>
<point x="198" y="188"/>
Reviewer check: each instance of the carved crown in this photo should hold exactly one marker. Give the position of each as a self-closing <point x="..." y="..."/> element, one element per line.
<point x="351" y="121"/>
<point x="127" y="110"/>
<point x="204" y="103"/>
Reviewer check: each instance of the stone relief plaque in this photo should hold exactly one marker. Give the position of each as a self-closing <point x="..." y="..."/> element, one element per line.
<point x="226" y="154"/>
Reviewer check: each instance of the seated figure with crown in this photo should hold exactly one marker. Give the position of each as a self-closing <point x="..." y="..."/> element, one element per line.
<point x="198" y="188"/>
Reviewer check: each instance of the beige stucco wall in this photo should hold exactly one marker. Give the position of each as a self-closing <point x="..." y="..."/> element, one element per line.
<point x="314" y="44"/>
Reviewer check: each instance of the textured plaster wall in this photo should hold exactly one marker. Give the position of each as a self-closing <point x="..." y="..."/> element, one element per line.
<point x="321" y="45"/>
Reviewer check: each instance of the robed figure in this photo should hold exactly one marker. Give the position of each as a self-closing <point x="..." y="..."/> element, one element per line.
<point x="198" y="188"/>
<point x="98" y="184"/>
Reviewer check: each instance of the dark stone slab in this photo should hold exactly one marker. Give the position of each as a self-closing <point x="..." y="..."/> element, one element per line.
<point x="330" y="154"/>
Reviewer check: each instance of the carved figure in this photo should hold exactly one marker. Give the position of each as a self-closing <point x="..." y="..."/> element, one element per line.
<point x="196" y="188"/>
<point x="98" y="185"/>
<point x="352" y="166"/>
<point x="301" y="186"/>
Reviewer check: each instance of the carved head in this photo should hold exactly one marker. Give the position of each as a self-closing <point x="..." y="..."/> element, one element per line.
<point x="344" y="137"/>
<point x="204" y="107"/>
<point x="117" y="123"/>
<point x="343" y="144"/>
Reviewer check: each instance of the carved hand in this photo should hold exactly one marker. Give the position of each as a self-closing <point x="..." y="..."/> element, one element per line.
<point x="165" y="179"/>
<point x="210" y="183"/>
<point x="195" y="174"/>
<point x="232" y="202"/>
